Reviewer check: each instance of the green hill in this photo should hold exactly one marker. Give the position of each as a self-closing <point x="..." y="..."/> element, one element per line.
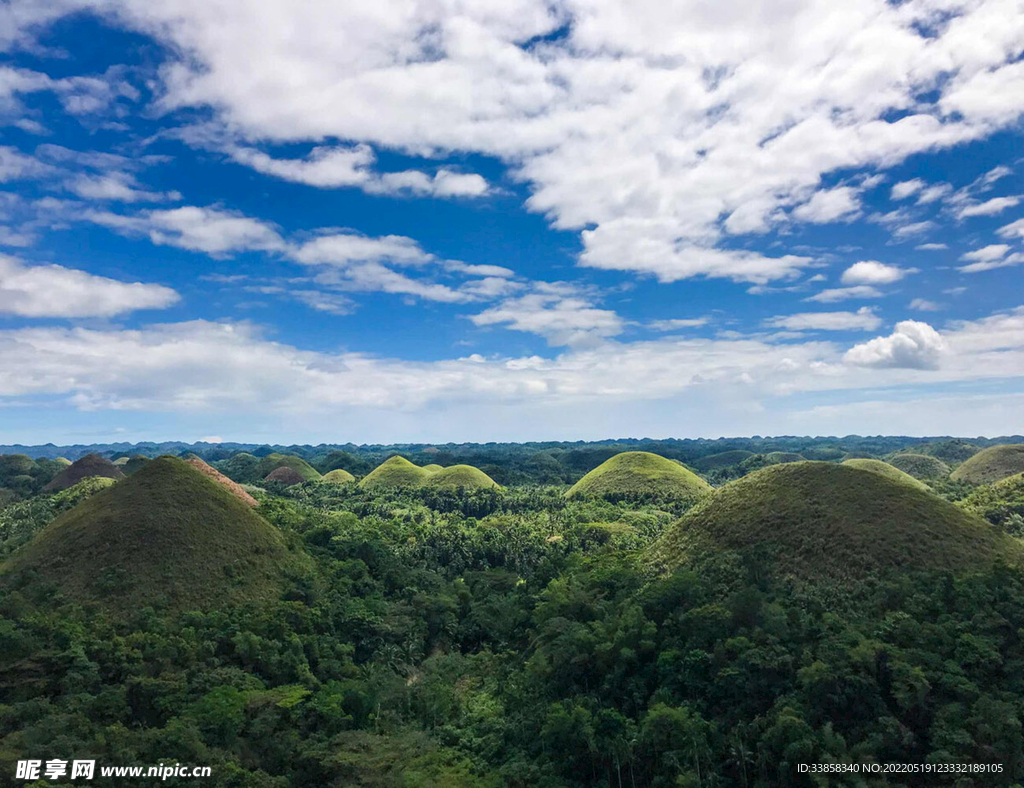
<point x="232" y="487"/>
<point x="991" y="464"/>
<point x="135" y="464"/>
<point x="887" y="470"/>
<point x="166" y="536"/>
<point x="79" y="492"/>
<point x="120" y="462"/>
<point x="284" y="475"/>
<point x="274" y="461"/>
<point x="920" y="466"/>
<point x="62" y="460"/>
<point x="338" y="476"/>
<point x="1001" y="503"/>
<point x="639" y="473"/>
<point x="822" y="520"/>
<point x="723" y="459"/>
<point x="395" y="472"/>
<point x="433" y="467"/>
<point x="456" y="476"/>
<point x="89" y="465"/>
<point x="777" y="457"/>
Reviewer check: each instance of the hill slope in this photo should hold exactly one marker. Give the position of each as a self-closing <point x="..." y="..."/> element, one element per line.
<point x="920" y="466"/>
<point x="272" y="462"/>
<point x="888" y="471"/>
<point x="639" y="473"/>
<point x="1000" y="503"/>
<point x="395" y="472"/>
<point x="232" y="487"/>
<point x="285" y="475"/>
<point x="815" y="520"/>
<point x="456" y="476"/>
<point x="89" y="465"/>
<point x="338" y="476"/>
<point x="166" y="535"/>
<point x="991" y="464"/>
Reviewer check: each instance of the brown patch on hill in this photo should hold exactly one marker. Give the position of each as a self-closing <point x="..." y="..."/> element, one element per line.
<point x="285" y="475"/>
<point x="89" y="465"/>
<point x="232" y="487"/>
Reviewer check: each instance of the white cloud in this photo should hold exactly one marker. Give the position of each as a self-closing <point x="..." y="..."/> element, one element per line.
<point x="211" y="230"/>
<point x="864" y="319"/>
<point x="343" y="249"/>
<point x="15" y="165"/>
<point x="933" y="193"/>
<point x="555" y="313"/>
<point x="913" y="345"/>
<point x="931" y="247"/>
<point x="989" y="207"/>
<point x="645" y="128"/>
<point x="117" y="186"/>
<point x="55" y="291"/>
<point x="988" y="257"/>
<point x="924" y="305"/>
<point x="831" y="205"/>
<point x="843" y="293"/>
<point x="904" y="189"/>
<point x="872" y="272"/>
<point x="1012" y="230"/>
<point x="675" y="324"/>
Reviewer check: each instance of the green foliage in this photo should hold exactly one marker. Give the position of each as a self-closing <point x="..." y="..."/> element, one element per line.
<point x="637" y="473"/>
<point x="1001" y="503"/>
<point x="991" y="465"/>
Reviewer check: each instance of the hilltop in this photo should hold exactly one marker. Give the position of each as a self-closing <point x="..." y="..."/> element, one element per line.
<point x="168" y="535"/>
<point x="722" y="459"/>
<point x="991" y="465"/>
<point x="89" y="465"/>
<point x="921" y="466"/>
<point x="274" y="461"/>
<point x="338" y="476"/>
<point x="232" y="487"/>
<point x="465" y="476"/>
<point x="395" y="472"/>
<point x="820" y="520"/>
<point x="285" y="475"/>
<point x="888" y="471"/>
<point x="639" y="473"/>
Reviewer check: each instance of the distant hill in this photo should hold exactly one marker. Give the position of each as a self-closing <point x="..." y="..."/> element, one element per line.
<point x="991" y="465"/>
<point x="395" y="472"/>
<point x="723" y="459"/>
<point x="822" y="520"/>
<point x="285" y="475"/>
<point x="89" y="465"/>
<point x="168" y="535"/>
<point x="920" y="466"/>
<point x="887" y="470"/>
<point x="455" y="476"/>
<point x="639" y="473"/>
<point x="274" y="461"/>
<point x="338" y="476"/>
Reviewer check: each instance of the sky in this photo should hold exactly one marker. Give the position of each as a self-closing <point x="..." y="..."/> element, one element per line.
<point x="437" y="220"/>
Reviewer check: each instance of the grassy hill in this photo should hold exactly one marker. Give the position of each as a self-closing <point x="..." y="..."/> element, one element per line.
<point x="274" y="461"/>
<point x="456" y="476"/>
<point x="888" y="471"/>
<point x="232" y="487"/>
<point x="395" y="472"/>
<point x="639" y="473"/>
<point x="821" y="520"/>
<point x="991" y="464"/>
<point x="1001" y="503"/>
<point x="285" y="475"/>
<point x="433" y="467"/>
<point x="722" y="459"/>
<point x="168" y="535"/>
<point x="89" y="465"/>
<point x="920" y="466"/>
<point x="338" y="476"/>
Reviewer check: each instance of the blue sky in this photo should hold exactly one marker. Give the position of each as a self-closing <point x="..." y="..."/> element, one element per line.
<point x="510" y="220"/>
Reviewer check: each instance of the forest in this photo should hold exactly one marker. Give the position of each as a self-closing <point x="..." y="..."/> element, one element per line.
<point x="616" y="615"/>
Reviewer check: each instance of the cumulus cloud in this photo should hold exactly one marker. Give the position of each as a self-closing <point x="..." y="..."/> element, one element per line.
<point x="989" y="257"/>
<point x="675" y="324"/>
<point x="55" y="291"/>
<point x="834" y="294"/>
<point x="924" y="305"/>
<point x="1012" y="230"/>
<point x="872" y="272"/>
<point x="658" y="130"/>
<point x="556" y="313"/>
<point x="343" y="249"/>
<point x="831" y="205"/>
<point x="904" y="189"/>
<point x="913" y="345"/>
<point x="864" y="319"/>
<point x="989" y="207"/>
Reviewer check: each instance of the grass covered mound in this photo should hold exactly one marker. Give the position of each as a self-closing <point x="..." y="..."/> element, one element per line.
<point x="274" y="461"/>
<point x="136" y="463"/>
<point x="639" y="473"/>
<point x="232" y="487"/>
<point x="820" y="520"/>
<point x="465" y="476"/>
<point x="62" y="460"/>
<point x="1001" y="503"/>
<point x="77" y="493"/>
<point x="723" y="459"/>
<point x="89" y="465"/>
<point x="888" y="471"/>
<point x="166" y="536"/>
<point x="338" y="476"/>
<point x="991" y="464"/>
<point x="284" y="475"/>
<point x="120" y="462"/>
<point x="433" y="467"/>
<point x="778" y="457"/>
<point x="395" y="472"/>
<point x="920" y="466"/>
